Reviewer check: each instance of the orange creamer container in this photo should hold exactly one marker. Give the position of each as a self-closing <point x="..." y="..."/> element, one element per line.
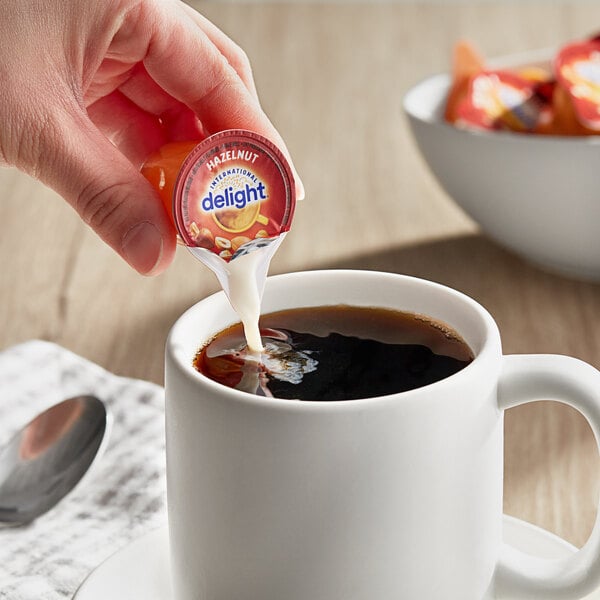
<point x="228" y="194"/>
<point x="231" y="198"/>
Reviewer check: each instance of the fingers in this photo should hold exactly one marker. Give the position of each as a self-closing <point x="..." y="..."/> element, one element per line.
<point x="178" y="121"/>
<point x="107" y="192"/>
<point x="135" y="132"/>
<point x="185" y="62"/>
<point x="142" y="90"/>
<point x="235" y="56"/>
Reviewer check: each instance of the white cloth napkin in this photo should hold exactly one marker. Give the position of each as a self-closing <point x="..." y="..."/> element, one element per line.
<point x="122" y="497"/>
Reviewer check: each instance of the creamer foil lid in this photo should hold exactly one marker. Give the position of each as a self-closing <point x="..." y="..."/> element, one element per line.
<point x="234" y="193"/>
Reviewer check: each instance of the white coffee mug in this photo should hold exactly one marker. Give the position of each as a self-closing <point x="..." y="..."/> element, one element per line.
<point x="390" y="498"/>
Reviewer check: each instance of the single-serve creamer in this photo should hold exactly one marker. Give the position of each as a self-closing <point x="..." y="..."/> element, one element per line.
<point x="231" y="198"/>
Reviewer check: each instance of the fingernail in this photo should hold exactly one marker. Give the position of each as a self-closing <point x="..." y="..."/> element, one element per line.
<point x="300" y="194"/>
<point x="142" y="247"/>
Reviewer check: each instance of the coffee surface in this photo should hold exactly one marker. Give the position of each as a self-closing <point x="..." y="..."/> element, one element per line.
<point x="333" y="353"/>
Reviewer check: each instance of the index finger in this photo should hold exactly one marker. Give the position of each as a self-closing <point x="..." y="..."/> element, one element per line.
<point x="184" y="61"/>
<point x="229" y="49"/>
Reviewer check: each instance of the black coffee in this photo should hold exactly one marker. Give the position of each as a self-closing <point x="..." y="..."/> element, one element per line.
<point x="336" y="353"/>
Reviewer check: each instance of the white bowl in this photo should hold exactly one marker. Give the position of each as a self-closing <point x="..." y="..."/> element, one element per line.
<point x="537" y="195"/>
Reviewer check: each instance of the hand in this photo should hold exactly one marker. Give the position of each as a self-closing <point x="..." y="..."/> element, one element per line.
<point x="89" y="89"/>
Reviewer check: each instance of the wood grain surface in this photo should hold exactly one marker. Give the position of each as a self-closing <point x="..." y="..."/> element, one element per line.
<point x="332" y="78"/>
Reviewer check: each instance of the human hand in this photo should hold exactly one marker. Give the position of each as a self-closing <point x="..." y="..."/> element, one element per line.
<point x="90" y="89"/>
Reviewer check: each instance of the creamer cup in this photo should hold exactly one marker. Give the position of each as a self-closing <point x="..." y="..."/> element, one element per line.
<point x="231" y="198"/>
<point x="234" y="194"/>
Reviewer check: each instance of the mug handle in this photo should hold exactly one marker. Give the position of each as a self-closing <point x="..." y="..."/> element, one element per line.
<point x="526" y="378"/>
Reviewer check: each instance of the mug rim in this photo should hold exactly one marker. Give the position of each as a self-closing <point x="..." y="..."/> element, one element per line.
<point x="489" y="350"/>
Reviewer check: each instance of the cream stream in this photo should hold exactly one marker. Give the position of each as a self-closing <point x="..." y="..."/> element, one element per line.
<point x="243" y="280"/>
<point x="245" y="294"/>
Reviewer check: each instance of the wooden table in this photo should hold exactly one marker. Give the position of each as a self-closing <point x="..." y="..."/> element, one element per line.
<point x="332" y="77"/>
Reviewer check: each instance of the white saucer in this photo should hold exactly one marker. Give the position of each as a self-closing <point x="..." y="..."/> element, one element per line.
<point x="141" y="571"/>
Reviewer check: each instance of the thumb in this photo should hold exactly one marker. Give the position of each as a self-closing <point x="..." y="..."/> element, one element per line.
<point x="107" y="191"/>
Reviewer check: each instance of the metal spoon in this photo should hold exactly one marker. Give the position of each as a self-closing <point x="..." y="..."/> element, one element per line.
<point x="44" y="461"/>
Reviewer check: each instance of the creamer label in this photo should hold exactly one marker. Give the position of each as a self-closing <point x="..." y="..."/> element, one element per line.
<point x="235" y="193"/>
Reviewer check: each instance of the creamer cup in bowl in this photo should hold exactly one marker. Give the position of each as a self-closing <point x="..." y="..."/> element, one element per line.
<point x="536" y="195"/>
